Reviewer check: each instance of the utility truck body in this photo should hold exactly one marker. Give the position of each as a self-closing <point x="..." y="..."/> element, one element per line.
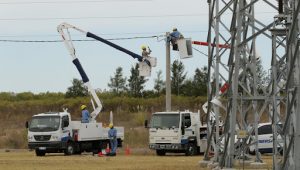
<point x="177" y="132"/>
<point x="55" y="132"/>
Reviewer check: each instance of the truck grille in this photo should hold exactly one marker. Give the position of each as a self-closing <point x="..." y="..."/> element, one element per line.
<point x="42" y="137"/>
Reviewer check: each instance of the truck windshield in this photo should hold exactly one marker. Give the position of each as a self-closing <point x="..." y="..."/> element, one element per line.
<point x="44" y="123"/>
<point x="165" y="121"/>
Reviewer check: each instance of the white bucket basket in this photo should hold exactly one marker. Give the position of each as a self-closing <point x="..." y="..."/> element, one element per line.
<point x="144" y="69"/>
<point x="152" y="61"/>
<point x="185" y="48"/>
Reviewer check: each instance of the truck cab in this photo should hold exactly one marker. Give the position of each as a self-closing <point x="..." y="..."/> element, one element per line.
<point x="177" y="132"/>
<point x="49" y="132"/>
<point x="54" y="132"/>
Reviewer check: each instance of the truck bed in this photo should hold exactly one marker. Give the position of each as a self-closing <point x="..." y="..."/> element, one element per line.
<point x="94" y="131"/>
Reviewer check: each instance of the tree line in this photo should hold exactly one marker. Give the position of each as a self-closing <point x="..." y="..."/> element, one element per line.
<point x="134" y="86"/>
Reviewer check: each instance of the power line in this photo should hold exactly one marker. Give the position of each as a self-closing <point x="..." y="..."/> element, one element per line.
<point x="107" y="17"/>
<point x="78" y="40"/>
<point x="200" y="52"/>
<point x="67" y="2"/>
<point x="125" y="33"/>
<point x="110" y="17"/>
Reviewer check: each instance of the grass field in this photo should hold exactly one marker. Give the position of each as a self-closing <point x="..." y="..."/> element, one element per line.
<point x="25" y="160"/>
<point x="28" y="161"/>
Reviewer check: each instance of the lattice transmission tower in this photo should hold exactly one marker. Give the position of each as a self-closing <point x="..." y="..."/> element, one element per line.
<point x="259" y="32"/>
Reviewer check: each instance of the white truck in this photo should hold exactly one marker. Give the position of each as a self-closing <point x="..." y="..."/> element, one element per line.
<point x="56" y="132"/>
<point x="177" y="132"/>
<point x="265" y="139"/>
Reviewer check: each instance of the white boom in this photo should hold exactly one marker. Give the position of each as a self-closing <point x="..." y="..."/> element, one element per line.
<point x="63" y="29"/>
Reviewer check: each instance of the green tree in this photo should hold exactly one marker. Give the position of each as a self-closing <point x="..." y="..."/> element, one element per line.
<point x="177" y="77"/>
<point x="117" y="83"/>
<point x="158" y="83"/>
<point x="78" y="89"/>
<point x="200" y="81"/>
<point x="188" y="88"/>
<point x="262" y="75"/>
<point x="136" y="82"/>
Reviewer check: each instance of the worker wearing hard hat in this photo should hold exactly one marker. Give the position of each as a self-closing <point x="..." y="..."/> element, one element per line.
<point x="112" y="134"/>
<point x="85" y="114"/>
<point x="173" y="37"/>
<point x="145" y="53"/>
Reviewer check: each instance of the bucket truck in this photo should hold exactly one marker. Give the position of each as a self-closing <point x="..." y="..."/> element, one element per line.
<point x="177" y="132"/>
<point x="54" y="132"/>
<point x="181" y="131"/>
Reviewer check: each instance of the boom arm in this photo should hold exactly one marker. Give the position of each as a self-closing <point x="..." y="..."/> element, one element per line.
<point x="69" y="45"/>
<point x="134" y="55"/>
<point x="63" y="29"/>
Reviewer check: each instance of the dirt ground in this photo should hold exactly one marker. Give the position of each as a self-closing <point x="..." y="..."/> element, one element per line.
<point x="26" y="160"/>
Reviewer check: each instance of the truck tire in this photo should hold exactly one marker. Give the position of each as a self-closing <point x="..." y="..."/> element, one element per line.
<point x="40" y="153"/>
<point x="160" y="152"/>
<point x="69" y="149"/>
<point x="191" y="149"/>
<point x="252" y="152"/>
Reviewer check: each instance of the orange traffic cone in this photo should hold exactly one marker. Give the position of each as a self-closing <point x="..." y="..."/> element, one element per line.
<point x="100" y="154"/>
<point x="107" y="150"/>
<point x="127" y="150"/>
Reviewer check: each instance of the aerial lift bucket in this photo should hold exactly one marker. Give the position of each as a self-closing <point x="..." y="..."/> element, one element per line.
<point x="145" y="69"/>
<point x="185" y="47"/>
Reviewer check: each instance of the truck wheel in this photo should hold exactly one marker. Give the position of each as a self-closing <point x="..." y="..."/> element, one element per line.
<point x="70" y="149"/>
<point x="40" y="153"/>
<point x="252" y="152"/>
<point x="160" y="152"/>
<point x="191" y="149"/>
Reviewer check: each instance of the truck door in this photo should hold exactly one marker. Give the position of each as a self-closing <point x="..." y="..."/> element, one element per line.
<point x="186" y="125"/>
<point x="66" y="128"/>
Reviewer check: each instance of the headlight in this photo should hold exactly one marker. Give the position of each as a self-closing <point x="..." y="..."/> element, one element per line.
<point x="54" y="137"/>
<point x="30" y="138"/>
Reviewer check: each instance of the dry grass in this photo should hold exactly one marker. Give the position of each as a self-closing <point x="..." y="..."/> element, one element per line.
<point x="28" y="161"/>
<point x="24" y="160"/>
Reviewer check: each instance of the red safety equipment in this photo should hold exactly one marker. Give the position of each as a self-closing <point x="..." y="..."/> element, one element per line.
<point x="206" y="44"/>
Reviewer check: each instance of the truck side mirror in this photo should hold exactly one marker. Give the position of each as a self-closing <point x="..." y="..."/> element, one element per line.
<point x="26" y="124"/>
<point x="146" y="123"/>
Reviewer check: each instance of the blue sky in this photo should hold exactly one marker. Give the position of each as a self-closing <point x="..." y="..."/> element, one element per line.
<point x="42" y="67"/>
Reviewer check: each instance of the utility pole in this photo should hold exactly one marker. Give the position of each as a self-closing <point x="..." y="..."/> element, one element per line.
<point x="168" y="77"/>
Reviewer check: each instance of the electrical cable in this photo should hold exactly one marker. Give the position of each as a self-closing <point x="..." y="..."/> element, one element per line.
<point x="78" y="40"/>
<point x="200" y="51"/>
<point x="110" y="17"/>
<point x="102" y="17"/>
<point x="124" y="33"/>
<point x="67" y="2"/>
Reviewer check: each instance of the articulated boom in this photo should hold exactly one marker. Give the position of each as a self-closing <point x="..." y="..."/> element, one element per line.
<point x="69" y="45"/>
<point x="145" y="63"/>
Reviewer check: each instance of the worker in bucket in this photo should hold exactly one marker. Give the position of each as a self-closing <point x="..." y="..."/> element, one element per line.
<point x="145" y="53"/>
<point x="173" y="37"/>
<point x="112" y="134"/>
<point x="85" y="114"/>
